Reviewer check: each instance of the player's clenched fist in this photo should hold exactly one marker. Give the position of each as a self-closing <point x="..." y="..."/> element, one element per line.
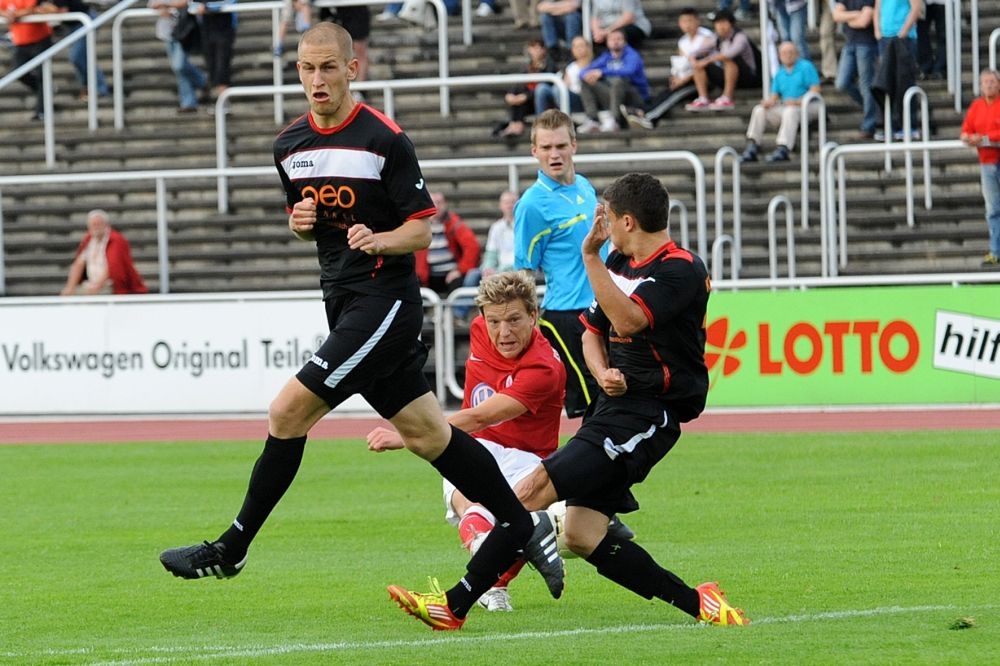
<point x="303" y="218"/>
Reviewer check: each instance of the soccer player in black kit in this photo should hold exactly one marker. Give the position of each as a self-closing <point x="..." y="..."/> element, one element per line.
<point x="645" y="345"/>
<point x="354" y="187"/>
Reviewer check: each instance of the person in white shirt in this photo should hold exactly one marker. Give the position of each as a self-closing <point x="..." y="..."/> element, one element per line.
<point x="696" y="41"/>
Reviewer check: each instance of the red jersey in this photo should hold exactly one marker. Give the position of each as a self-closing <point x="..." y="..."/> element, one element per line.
<point x="984" y="118"/>
<point x="536" y="379"/>
<point x="23" y="34"/>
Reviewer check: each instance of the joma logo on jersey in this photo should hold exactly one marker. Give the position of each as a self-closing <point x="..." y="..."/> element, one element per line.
<point x="302" y="164"/>
<point x="331" y="195"/>
<point x="320" y="362"/>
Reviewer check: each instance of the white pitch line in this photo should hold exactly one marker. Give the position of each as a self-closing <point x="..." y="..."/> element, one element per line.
<point x="170" y="655"/>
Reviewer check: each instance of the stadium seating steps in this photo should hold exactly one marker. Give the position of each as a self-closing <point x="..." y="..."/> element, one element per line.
<point x="248" y="248"/>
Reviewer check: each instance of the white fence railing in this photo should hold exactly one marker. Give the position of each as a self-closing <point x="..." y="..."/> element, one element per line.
<point x="160" y="180"/>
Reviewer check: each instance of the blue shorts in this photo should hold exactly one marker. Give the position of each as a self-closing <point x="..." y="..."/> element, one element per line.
<point x="373" y="350"/>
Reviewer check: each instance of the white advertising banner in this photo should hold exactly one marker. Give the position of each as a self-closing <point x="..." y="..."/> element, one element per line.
<point x="155" y="354"/>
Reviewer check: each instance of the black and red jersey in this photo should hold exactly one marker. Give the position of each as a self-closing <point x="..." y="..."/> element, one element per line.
<point x="363" y="171"/>
<point x="666" y="360"/>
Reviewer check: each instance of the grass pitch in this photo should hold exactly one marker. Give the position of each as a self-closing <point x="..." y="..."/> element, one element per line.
<point x="860" y="549"/>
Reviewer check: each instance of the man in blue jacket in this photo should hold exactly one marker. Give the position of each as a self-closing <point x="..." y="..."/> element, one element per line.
<point x="616" y="77"/>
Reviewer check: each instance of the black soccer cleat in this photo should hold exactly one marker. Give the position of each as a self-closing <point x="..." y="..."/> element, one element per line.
<point x="199" y="561"/>
<point x="619" y="529"/>
<point x="542" y="552"/>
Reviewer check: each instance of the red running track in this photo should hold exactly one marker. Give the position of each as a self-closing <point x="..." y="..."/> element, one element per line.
<point x="129" y="429"/>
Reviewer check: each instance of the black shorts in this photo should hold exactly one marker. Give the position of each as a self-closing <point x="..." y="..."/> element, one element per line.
<point x="355" y="19"/>
<point x="373" y="350"/>
<point x="747" y="78"/>
<point x="564" y="330"/>
<point x="615" y="448"/>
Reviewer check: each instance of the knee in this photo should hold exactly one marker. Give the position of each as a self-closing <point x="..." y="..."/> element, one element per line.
<point x="579" y="543"/>
<point x="429" y="442"/>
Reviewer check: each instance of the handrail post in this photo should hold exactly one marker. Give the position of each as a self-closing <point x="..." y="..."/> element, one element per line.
<point x="994" y="38"/>
<point x="682" y="207"/>
<point x="907" y="136"/>
<point x="737" y="238"/>
<point x="807" y="99"/>
<point x="827" y="217"/>
<point x="717" y="258"/>
<point x="277" y="68"/>
<point x="974" y="46"/>
<point x="48" y="120"/>
<point x="162" y="251"/>
<point x="772" y="235"/>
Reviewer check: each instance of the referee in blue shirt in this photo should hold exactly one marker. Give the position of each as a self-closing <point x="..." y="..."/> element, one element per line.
<point x="550" y="222"/>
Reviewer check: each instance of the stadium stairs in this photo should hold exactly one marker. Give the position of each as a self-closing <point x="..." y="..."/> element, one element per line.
<point x="250" y="249"/>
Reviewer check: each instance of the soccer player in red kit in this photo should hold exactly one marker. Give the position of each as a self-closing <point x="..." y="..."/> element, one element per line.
<point x="514" y="391"/>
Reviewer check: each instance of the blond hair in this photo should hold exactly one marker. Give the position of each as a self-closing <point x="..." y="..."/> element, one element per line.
<point x="507" y="287"/>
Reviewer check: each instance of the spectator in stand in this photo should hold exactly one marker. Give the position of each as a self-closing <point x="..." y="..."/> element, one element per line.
<point x="357" y="21"/>
<point x="561" y="20"/>
<point x="524" y="12"/>
<point x="616" y="78"/>
<point x="858" y="58"/>
<point x="103" y="262"/>
<point x="190" y="80"/>
<point x="521" y="99"/>
<point x="696" y="41"/>
<point x="795" y="77"/>
<point x="733" y="63"/>
<point x="606" y="16"/>
<point x="828" y="65"/>
<point x="932" y="60"/>
<point x="29" y="39"/>
<point x="897" y="19"/>
<point x="895" y="26"/>
<point x="791" y="17"/>
<point x="218" y="34"/>
<point x="297" y="13"/>
<point x="742" y="13"/>
<point x="498" y="255"/>
<point x="981" y="130"/>
<point x="78" y="52"/>
<point x="545" y="93"/>
<point x="453" y="252"/>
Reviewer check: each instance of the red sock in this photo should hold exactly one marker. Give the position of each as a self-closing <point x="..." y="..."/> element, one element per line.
<point x="510" y="574"/>
<point x="476" y="520"/>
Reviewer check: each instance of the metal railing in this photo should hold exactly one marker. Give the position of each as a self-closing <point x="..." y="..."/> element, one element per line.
<point x="833" y="219"/>
<point x="736" y="240"/>
<point x="44" y="59"/>
<point x="118" y="56"/>
<point x="277" y="90"/>
<point x="772" y="235"/>
<point x="810" y="98"/>
<point x="389" y="106"/>
<point x="160" y="179"/>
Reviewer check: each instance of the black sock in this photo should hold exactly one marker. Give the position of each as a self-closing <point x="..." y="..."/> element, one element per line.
<point x="629" y="565"/>
<point x="271" y="476"/>
<point x="470" y="467"/>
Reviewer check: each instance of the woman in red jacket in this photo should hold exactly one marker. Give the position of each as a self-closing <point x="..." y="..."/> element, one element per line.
<point x="981" y="129"/>
<point x="103" y="262"/>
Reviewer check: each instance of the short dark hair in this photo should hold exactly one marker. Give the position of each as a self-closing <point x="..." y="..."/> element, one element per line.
<point x="724" y="15"/>
<point x="688" y="11"/>
<point x="642" y="196"/>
